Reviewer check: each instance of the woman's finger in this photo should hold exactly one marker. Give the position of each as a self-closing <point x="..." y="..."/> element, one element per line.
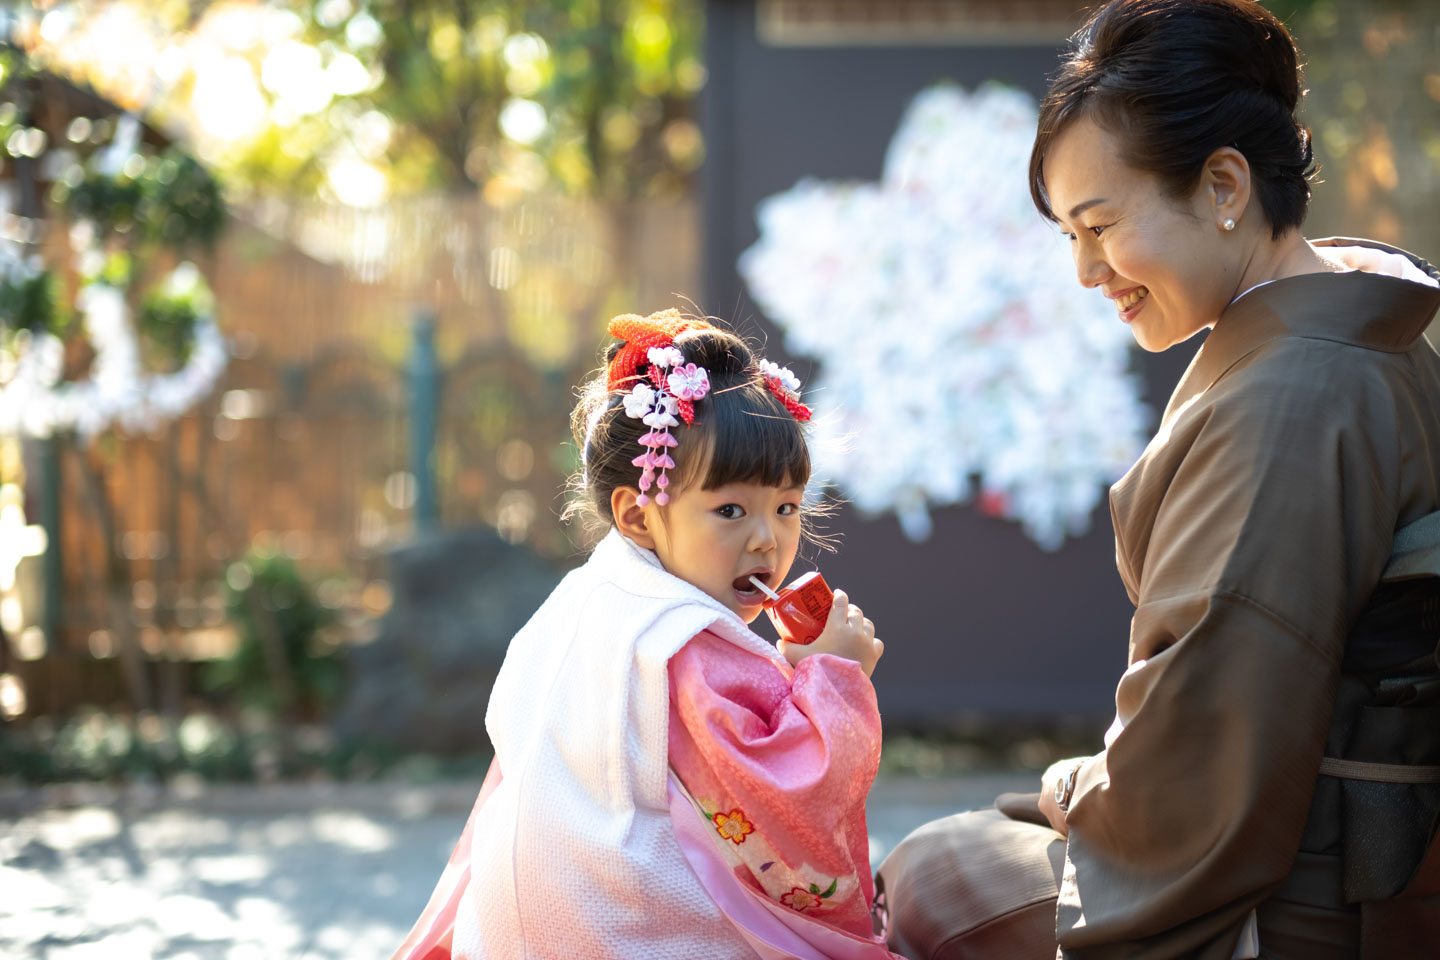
<point x="868" y="627"/>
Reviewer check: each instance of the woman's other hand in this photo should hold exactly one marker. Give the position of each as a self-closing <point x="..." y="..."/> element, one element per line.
<point x="1059" y="778"/>
<point x="847" y="634"/>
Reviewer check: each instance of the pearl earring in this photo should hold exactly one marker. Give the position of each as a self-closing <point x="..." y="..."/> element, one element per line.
<point x="1228" y="224"/>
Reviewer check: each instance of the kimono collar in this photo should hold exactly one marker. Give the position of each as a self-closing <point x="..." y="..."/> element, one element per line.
<point x="639" y="572"/>
<point x="1370" y="310"/>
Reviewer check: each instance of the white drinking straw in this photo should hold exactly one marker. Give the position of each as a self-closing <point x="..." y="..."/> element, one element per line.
<point x="764" y="589"/>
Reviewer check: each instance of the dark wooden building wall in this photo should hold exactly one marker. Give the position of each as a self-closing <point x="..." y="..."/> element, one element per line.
<point x="978" y="622"/>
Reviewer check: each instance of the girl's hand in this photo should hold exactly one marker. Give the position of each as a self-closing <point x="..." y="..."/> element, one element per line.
<point x="847" y="634"/>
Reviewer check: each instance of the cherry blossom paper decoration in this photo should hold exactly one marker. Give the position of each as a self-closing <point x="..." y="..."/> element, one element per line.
<point x="959" y="359"/>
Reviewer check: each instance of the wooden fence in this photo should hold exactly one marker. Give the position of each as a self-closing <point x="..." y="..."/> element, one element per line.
<point x="304" y="449"/>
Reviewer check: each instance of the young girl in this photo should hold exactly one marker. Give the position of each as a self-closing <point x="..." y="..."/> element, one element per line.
<point x="664" y="785"/>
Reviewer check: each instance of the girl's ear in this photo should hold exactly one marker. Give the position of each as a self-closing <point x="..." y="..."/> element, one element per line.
<point x="631" y="519"/>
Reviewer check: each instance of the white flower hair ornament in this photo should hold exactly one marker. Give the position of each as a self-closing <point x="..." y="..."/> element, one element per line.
<point x="786" y="388"/>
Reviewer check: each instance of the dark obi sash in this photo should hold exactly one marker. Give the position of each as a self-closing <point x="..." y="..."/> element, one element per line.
<point x="1378" y="795"/>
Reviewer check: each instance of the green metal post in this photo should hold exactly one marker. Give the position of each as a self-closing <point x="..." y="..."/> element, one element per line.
<point x="50" y="520"/>
<point x="424" y="403"/>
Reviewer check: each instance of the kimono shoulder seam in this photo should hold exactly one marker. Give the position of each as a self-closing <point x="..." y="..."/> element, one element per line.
<point x="1263" y="359"/>
<point x="1270" y="614"/>
<point x="1353" y="343"/>
<point x="1280" y="340"/>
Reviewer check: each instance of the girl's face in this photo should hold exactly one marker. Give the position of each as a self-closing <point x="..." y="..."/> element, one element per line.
<point x="1163" y="261"/>
<point x="717" y="539"/>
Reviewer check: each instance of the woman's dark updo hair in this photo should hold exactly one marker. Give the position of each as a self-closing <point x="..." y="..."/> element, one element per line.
<point x="741" y="429"/>
<point x="1176" y="80"/>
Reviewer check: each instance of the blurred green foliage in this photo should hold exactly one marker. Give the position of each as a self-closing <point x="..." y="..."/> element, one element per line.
<point x="282" y="661"/>
<point x="592" y="96"/>
<point x="168" y="323"/>
<point x="461" y="80"/>
<point x="586" y="97"/>
<point x="167" y="199"/>
<point x="31" y="303"/>
<point x="144" y="208"/>
<point x="96" y="745"/>
<point x="167" y="317"/>
<point x="1372" y="69"/>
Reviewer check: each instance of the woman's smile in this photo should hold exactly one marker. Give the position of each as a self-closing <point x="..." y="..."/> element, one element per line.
<point x="1130" y="302"/>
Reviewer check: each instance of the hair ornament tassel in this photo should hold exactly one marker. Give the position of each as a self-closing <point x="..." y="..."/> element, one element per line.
<point x="656" y="404"/>
<point x="786" y="387"/>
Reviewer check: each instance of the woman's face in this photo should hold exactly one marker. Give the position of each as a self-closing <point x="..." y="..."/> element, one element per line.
<point x="1163" y="261"/>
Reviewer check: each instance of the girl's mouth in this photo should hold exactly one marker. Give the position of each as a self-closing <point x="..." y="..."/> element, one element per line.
<point x="746" y="592"/>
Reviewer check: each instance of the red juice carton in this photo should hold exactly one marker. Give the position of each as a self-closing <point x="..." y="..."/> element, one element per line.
<point x="800" y="610"/>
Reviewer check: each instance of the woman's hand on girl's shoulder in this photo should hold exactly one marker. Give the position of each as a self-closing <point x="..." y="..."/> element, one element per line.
<point x="848" y="633"/>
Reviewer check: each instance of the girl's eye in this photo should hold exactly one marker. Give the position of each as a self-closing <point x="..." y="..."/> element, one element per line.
<point x="1096" y="230"/>
<point x="731" y="511"/>
<point x="788" y="509"/>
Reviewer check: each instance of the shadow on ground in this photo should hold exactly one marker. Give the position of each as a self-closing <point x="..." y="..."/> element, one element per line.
<point x="254" y="873"/>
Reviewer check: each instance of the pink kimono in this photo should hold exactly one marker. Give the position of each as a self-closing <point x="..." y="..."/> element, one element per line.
<point x="744" y="836"/>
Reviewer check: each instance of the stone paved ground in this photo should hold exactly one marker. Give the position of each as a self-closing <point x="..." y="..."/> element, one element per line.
<point x="252" y="873"/>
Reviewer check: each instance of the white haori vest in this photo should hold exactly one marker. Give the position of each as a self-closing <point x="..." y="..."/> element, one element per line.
<point x="574" y="854"/>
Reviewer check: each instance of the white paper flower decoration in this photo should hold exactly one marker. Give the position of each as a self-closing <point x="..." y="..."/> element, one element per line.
<point x="639" y="400"/>
<point x="959" y="359"/>
<point x="34" y="401"/>
<point x="665" y="357"/>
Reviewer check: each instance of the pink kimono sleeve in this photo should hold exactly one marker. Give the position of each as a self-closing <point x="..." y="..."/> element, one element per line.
<point x="429" y="938"/>
<point x="779" y="763"/>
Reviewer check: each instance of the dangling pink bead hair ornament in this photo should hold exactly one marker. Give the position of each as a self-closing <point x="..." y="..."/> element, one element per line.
<point x="656" y="404"/>
<point x="649" y="343"/>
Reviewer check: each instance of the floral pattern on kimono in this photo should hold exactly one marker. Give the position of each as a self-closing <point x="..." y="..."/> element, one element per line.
<point x="778" y="762"/>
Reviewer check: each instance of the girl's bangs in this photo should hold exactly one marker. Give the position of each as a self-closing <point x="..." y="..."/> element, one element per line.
<point x="755" y="442"/>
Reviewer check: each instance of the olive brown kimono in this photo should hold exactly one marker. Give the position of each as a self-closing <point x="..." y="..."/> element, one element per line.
<point x="1251" y="535"/>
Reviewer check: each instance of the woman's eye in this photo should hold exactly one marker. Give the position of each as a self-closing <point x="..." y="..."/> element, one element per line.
<point x="731" y="511"/>
<point x="1097" y="230"/>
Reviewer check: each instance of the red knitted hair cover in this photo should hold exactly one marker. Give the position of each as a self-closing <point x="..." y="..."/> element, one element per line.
<point x="640" y="334"/>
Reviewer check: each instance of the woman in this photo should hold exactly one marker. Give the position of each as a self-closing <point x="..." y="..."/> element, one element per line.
<point x="1271" y="782"/>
